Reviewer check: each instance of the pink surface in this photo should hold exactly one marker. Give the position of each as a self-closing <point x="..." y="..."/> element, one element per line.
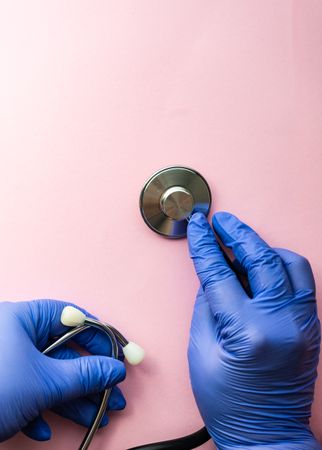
<point x="94" y="97"/>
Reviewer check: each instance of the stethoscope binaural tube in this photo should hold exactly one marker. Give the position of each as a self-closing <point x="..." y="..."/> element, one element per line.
<point x="133" y="353"/>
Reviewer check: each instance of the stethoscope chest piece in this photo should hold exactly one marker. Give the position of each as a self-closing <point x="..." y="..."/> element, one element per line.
<point x="169" y="198"/>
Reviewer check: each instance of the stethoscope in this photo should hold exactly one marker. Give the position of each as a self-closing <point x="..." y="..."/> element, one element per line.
<point x="133" y="353"/>
<point x="167" y="200"/>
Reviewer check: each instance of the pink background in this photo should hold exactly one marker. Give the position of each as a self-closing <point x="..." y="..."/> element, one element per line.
<point x="97" y="95"/>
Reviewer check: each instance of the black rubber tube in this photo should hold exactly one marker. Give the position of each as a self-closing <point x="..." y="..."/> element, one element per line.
<point x="184" y="443"/>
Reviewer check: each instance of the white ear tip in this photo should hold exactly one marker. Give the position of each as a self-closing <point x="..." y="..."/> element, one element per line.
<point x="72" y="317"/>
<point x="134" y="354"/>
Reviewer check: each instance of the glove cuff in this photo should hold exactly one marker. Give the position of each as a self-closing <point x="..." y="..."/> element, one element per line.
<point x="310" y="444"/>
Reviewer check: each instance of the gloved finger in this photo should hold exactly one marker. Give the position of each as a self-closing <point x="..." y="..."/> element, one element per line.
<point x="266" y="272"/>
<point x="116" y="401"/>
<point x="97" y="343"/>
<point x="84" y="410"/>
<point x="38" y="430"/>
<point x="299" y="271"/>
<point x="202" y="349"/>
<point x="202" y="330"/>
<point x="64" y="352"/>
<point x="216" y="277"/>
<point x="78" y="377"/>
<point x="81" y="411"/>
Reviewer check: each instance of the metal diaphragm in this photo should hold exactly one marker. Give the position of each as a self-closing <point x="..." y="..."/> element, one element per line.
<point x="170" y="197"/>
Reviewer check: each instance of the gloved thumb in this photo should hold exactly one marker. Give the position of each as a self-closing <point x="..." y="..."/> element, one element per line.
<point x="73" y="378"/>
<point x="38" y="429"/>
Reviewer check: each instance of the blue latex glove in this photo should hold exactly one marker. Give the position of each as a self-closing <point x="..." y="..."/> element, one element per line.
<point x="253" y="361"/>
<point x="31" y="382"/>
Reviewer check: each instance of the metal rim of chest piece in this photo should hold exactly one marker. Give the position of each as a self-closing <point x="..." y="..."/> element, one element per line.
<point x="170" y="197"/>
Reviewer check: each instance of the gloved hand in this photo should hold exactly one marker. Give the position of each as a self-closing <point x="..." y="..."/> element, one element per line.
<point x="253" y="361"/>
<point x="31" y="382"/>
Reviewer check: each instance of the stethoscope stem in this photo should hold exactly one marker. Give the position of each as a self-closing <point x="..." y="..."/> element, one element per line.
<point x="116" y="338"/>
